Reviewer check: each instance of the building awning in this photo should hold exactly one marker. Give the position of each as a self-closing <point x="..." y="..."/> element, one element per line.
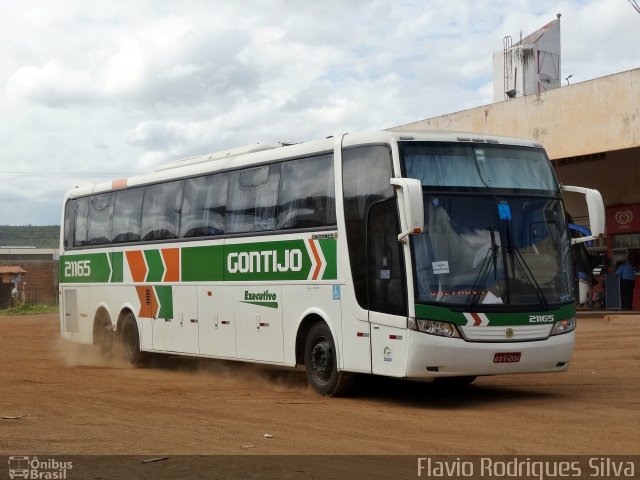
<point x="11" y="269"/>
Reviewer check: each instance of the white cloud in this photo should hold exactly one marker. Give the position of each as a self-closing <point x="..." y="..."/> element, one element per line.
<point x="52" y="84"/>
<point x="125" y="71"/>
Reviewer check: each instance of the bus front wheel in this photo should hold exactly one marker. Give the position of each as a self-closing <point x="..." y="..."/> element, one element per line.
<point x="130" y="340"/>
<point x="321" y="363"/>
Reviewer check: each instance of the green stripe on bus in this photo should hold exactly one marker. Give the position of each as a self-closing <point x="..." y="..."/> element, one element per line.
<point x="85" y="268"/>
<point x="200" y="264"/>
<point x="116" y="267"/>
<point x="328" y="247"/>
<point x="275" y="261"/>
<point x="156" y="267"/>
<point x="165" y="299"/>
<point x="519" y="318"/>
<point x="283" y="260"/>
<point x="443" y="314"/>
<point x="262" y="304"/>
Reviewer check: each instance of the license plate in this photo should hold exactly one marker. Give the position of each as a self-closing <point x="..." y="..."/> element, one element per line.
<point x="507" y="357"/>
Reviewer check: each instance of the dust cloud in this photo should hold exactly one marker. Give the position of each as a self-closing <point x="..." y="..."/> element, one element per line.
<point x="71" y="354"/>
<point x="265" y="376"/>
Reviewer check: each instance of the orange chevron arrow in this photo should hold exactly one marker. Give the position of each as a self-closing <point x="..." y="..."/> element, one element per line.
<point x="314" y="249"/>
<point x="137" y="265"/>
<point x="148" y="302"/>
<point x="171" y="258"/>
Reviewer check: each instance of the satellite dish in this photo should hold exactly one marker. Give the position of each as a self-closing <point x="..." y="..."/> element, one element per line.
<point x="547" y="81"/>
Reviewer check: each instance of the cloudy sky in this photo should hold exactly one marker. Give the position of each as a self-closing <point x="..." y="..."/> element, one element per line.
<point x="93" y="90"/>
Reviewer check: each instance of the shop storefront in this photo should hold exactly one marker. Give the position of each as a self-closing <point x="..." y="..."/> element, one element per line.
<point x="623" y="240"/>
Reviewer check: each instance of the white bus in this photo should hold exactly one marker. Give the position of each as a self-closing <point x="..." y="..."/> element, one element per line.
<point x="419" y="255"/>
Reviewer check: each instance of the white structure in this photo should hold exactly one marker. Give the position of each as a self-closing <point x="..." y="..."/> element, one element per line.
<point x="530" y="66"/>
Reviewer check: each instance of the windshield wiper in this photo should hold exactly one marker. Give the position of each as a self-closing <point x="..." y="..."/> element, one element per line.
<point x="490" y="260"/>
<point x="519" y="263"/>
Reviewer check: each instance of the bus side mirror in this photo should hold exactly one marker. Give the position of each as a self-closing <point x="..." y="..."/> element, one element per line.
<point x="411" y="206"/>
<point x="595" y="206"/>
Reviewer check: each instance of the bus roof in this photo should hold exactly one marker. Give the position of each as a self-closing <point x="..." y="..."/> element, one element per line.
<point x="258" y="154"/>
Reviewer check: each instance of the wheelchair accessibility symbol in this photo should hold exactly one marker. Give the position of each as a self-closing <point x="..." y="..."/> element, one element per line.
<point x="336" y="292"/>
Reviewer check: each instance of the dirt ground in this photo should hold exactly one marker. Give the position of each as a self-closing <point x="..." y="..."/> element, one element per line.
<point x="69" y="402"/>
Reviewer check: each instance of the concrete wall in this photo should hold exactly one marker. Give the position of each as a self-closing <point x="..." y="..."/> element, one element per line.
<point x="599" y="115"/>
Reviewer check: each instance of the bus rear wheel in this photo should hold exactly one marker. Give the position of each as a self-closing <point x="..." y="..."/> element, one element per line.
<point x="321" y="363"/>
<point x="130" y="340"/>
<point x="105" y="339"/>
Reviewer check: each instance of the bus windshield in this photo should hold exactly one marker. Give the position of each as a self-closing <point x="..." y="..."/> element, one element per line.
<point x="493" y="250"/>
<point x="495" y="229"/>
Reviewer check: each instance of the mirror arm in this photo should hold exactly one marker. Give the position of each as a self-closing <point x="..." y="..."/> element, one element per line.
<point x="402" y="237"/>
<point x="405" y="185"/>
<point x="583" y="239"/>
<point x="595" y="206"/>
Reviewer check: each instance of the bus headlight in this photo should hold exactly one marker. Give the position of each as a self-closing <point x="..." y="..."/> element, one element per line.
<point x="564" y="326"/>
<point x="433" y="327"/>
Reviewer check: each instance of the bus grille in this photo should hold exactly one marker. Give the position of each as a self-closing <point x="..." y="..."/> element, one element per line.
<point x="517" y="333"/>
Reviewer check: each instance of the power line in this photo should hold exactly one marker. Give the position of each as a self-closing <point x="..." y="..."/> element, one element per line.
<point x="634" y="4"/>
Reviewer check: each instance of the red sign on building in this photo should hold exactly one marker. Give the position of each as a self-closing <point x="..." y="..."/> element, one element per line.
<point x="623" y="219"/>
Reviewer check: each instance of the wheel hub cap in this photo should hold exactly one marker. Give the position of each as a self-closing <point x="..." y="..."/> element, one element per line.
<point x="321" y="359"/>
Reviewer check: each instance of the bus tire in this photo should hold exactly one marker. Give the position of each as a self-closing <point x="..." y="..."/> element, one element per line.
<point x="321" y="363"/>
<point x="130" y="340"/>
<point x="105" y="338"/>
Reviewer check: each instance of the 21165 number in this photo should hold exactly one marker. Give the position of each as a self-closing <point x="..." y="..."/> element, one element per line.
<point x="77" y="268"/>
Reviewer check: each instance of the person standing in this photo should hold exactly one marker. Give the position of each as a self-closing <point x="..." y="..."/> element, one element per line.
<point x="627" y="282"/>
<point x="14" y="296"/>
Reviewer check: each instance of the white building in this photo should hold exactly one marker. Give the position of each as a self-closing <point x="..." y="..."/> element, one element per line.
<point x="530" y="66"/>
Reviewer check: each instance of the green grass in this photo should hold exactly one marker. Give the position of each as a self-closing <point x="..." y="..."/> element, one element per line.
<point x="28" y="309"/>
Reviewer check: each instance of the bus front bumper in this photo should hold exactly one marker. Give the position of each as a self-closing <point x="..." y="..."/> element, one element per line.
<point x="433" y="356"/>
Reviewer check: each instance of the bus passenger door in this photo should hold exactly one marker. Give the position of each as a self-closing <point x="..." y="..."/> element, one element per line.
<point x="386" y="288"/>
<point x="259" y="323"/>
<point x="217" y="334"/>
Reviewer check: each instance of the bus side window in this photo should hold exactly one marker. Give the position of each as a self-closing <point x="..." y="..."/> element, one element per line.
<point x="307" y="193"/>
<point x="81" y="224"/>
<point x="203" y="206"/>
<point x="70" y="211"/>
<point x="161" y="211"/>
<point x="252" y="200"/>
<point x="100" y="210"/>
<point x="127" y="211"/>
